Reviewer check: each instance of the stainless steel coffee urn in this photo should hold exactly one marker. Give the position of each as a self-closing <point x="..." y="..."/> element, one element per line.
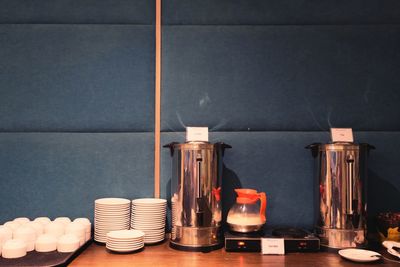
<point x="340" y="193"/>
<point x="195" y="195"/>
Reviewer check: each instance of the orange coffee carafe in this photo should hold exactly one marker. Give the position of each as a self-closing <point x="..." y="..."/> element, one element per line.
<point x="246" y="215"/>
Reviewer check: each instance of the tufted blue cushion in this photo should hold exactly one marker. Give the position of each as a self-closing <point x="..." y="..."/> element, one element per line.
<point x="243" y="12"/>
<point x="82" y="11"/>
<point x="76" y="78"/>
<point x="239" y="78"/>
<point x="61" y="174"/>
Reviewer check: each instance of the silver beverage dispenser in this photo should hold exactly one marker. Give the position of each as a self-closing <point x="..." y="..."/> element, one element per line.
<point x="195" y="195"/>
<point x="340" y="194"/>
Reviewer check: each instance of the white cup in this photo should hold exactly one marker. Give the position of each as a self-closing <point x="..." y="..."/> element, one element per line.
<point x="28" y="234"/>
<point x="14" y="248"/>
<point x="5" y="234"/>
<point x="63" y="220"/>
<point x="46" y="243"/>
<point x="12" y="225"/>
<point x="42" y="220"/>
<point x="78" y="230"/>
<point x="39" y="228"/>
<point x="22" y="220"/>
<point x="67" y="243"/>
<point x="88" y="227"/>
<point x="54" y="228"/>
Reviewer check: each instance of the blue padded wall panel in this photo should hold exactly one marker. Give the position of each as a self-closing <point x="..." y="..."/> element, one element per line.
<point x="61" y="174"/>
<point x="235" y="78"/>
<point x="76" y="78"/>
<point x="280" y="12"/>
<point x="82" y="11"/>
<point x="278" y="163"/>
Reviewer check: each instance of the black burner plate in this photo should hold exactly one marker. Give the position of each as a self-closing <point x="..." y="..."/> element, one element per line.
<point x="289" y="232"/>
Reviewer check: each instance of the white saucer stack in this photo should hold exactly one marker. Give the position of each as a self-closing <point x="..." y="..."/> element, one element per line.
<point x="110" y="214"/>
<point x="148" y="215"/>
<point x="125" y="240"/>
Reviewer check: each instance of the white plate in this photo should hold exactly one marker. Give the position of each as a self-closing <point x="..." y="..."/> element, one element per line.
<point x="148" y="215"/>
<point x="111" y="225"/>
<point x="124" y="250"/>
<point x="109" y="214"/>
<point x="149" y="212"/>
<point x="149" y="201"/>
<point x="136" y="244"/>
<point x="150" y="209"/>
<point x="120" y="211"/>
<point x="148" y="222"/>
<point x="112" y="201"/>
<point x="146" y="227"/>
<point x="115" y="244"/>
<point x="359" y="255"/>
<point x="111" y="220"/>
<point x="153" y="241"/>
<point x="125" y="234"/>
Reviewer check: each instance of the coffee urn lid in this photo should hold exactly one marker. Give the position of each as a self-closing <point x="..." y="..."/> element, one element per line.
<point x="342" y="146"/>
<point x="194" y="145"/>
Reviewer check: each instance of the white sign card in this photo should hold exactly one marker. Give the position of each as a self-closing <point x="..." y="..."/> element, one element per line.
<point x="197" y="134"/>
<point x="342" y="135"/>
<point x="273" y="246"/>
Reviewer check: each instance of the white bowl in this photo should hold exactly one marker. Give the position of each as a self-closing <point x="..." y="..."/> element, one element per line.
<point x="54" y="228"/>
<point x="63" y="220"/>
<point x="14" y="248"/>
<point x="46" y="243"/>
<point x="42" y="220"/>
<point x="67" y="243"/>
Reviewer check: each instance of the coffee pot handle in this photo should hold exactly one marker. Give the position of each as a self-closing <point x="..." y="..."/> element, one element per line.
<point x="222" y="146"/>
<point x="350" y="180"/>
<point x="171" y="147"/>
<point x="314" y="148"/>
<point x="263" y="200"/>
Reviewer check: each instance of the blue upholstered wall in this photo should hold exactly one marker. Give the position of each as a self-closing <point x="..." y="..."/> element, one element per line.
<point x="267" y="77"/>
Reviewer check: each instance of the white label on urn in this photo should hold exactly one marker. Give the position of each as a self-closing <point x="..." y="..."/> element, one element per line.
<point x="342" y="135"/>
<point x="197" y="134"/>
<point x="274" y="246"/>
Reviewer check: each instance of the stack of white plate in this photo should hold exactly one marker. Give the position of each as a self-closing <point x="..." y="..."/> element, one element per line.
<point x="148" y="215"/>
<point x="110" y="214"/>
<point x="125" y="240"/>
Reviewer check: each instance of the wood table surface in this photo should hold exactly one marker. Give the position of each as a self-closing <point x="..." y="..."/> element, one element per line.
<point x="163" y="255"/>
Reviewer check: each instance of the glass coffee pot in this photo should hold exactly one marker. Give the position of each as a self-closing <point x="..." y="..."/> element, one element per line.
<point x="246" y="215"/>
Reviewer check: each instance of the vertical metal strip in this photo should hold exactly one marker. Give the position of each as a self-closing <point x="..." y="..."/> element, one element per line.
<point x="157" y="102"/>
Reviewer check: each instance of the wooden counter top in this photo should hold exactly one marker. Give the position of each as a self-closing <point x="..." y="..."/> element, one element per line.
<point x="163" y="255"/>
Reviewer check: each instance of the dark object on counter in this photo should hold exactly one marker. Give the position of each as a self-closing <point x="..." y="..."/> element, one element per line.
<point x="295" y="240"/>
<point x="388" y="224"/>
<point x="47" y="259"/>
<point x="289" y="232"/>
